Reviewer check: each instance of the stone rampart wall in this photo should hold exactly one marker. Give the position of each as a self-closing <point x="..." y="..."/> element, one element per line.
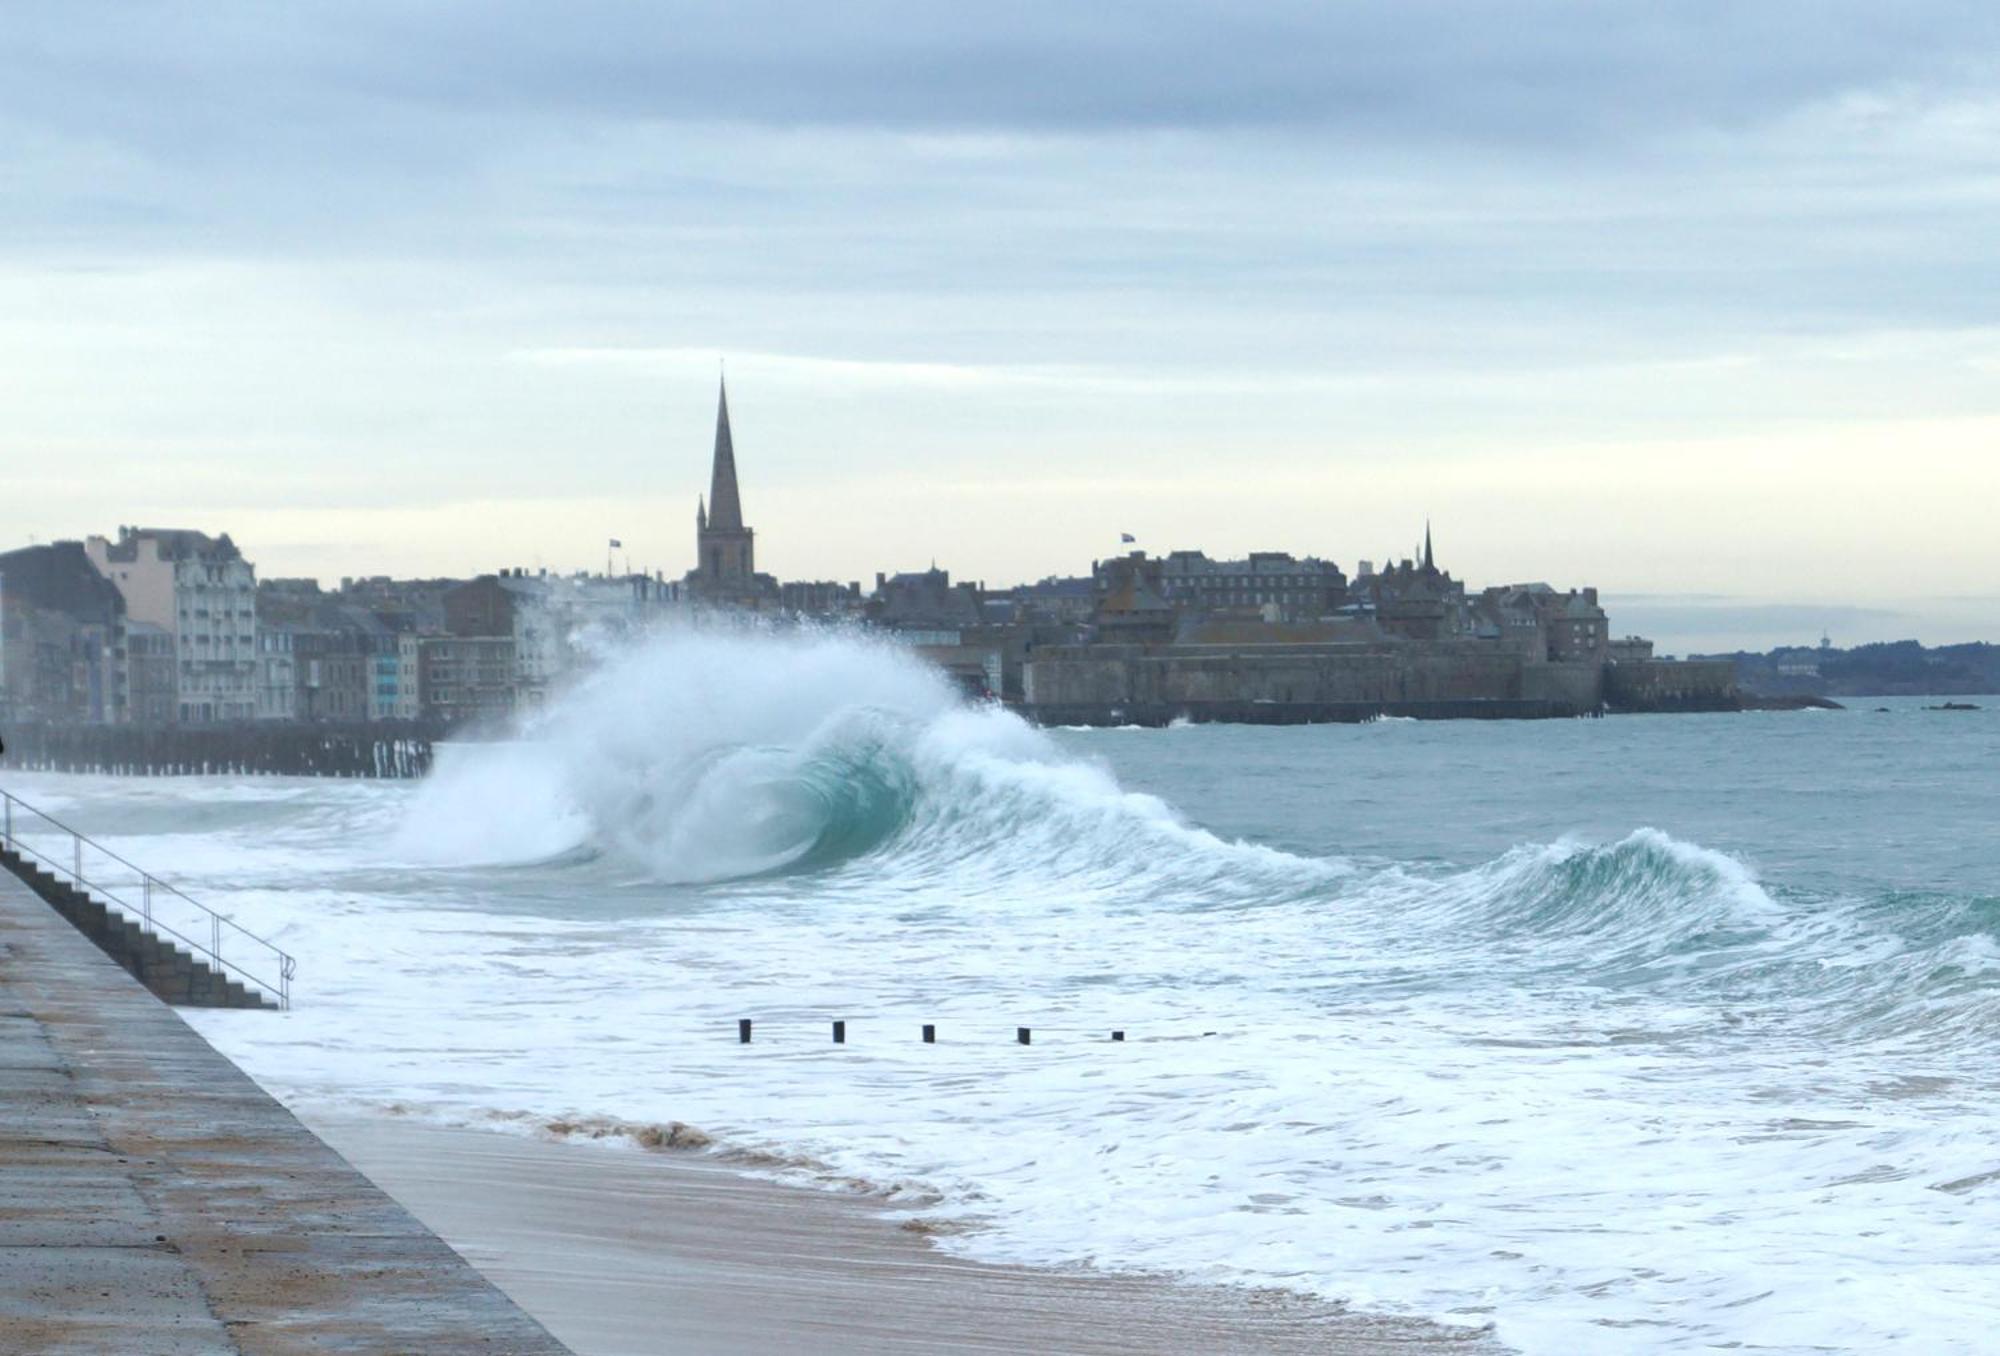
<point x="1195" y="678"/>
<point x="1672" y="685"/>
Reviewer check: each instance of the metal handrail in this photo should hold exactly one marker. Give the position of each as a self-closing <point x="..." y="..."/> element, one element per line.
<point x="149" y="883"/>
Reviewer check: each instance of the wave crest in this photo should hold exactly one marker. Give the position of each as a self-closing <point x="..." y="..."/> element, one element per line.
<point x="1589" y="908"/>
<point x="703" y="756"/>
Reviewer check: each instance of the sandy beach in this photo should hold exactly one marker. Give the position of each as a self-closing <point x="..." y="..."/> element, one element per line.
<point x="625" y="1252"/>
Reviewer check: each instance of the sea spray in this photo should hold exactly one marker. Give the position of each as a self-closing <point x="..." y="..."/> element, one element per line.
<point x="704" y="755"/>
<point x="700" y="754"/>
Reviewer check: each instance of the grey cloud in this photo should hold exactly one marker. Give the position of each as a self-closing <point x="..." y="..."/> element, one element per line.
<point x="1467" y="70"/>
<point x="1538" y="71"/>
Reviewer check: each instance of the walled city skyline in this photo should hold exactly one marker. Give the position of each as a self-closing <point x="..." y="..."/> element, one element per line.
<point x="1696" y="621"/>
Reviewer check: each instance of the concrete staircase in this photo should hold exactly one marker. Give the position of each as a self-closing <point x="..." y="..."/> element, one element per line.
<point x="171" y="973"/>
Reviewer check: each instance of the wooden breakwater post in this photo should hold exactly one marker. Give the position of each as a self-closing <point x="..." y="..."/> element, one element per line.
<point x="1022" y="1035"/>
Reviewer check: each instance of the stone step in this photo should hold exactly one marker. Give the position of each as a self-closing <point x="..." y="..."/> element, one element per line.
<point x="166" y="969"/>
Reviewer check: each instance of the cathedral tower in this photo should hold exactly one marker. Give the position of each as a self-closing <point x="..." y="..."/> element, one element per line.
<point x="725" y="550"/>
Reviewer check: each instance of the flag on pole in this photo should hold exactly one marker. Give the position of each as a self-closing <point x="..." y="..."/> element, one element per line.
<point x="617" y="545"/>
<point x="1126" y="536"/>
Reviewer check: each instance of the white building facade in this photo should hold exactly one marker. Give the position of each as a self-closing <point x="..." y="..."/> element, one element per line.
<point x="201" y="591"/>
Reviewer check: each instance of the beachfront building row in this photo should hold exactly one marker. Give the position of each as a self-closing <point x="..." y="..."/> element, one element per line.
<point x="162" y="625"/>
<point x="171" y="626"/>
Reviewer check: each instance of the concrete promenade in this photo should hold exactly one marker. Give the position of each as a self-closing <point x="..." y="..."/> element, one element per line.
<point x="155" y="1200"/>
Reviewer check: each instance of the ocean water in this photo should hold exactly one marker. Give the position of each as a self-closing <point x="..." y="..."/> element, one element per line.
<point x="1644" y="1034"/>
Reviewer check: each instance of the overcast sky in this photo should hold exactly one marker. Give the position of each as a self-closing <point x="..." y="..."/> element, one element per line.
<point x="1697" y="302"/>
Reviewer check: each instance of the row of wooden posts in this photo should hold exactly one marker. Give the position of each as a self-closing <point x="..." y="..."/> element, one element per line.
<point x="401" y="749"/>
<point x="1022" y="1035"/>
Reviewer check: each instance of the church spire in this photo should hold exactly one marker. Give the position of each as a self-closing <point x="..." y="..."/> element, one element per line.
<point x="725" y="509"/>
<point x="1429" y="563"/>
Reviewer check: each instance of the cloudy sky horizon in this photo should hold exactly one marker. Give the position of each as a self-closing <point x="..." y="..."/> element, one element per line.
<point x="1693" y="303"/>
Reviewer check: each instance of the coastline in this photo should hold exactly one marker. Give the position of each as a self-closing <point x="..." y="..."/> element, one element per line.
<point x="623" y="1251"/>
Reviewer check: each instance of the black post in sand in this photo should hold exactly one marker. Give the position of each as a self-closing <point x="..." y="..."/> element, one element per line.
<point x="1021" y="1034"/>
<point x="743" y="1030"/>
<point x="840" y="1033"/>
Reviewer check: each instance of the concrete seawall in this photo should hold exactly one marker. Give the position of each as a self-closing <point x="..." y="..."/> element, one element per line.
<point x="153" y="1199"/>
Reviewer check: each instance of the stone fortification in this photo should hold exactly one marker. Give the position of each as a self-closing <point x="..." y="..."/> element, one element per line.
<point x="1671" y="685"/>
<point x="1332" y="681"/>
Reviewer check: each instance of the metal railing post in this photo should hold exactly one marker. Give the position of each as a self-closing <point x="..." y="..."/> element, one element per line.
<point x="287" y="965"/>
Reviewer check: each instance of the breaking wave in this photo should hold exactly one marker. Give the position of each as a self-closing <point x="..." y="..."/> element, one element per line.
<point x="712" y="756"/>
<point x="1647" y="893"/>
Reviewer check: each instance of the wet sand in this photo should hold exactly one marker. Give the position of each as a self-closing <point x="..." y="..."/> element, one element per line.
<point x="623" y="1252"/>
